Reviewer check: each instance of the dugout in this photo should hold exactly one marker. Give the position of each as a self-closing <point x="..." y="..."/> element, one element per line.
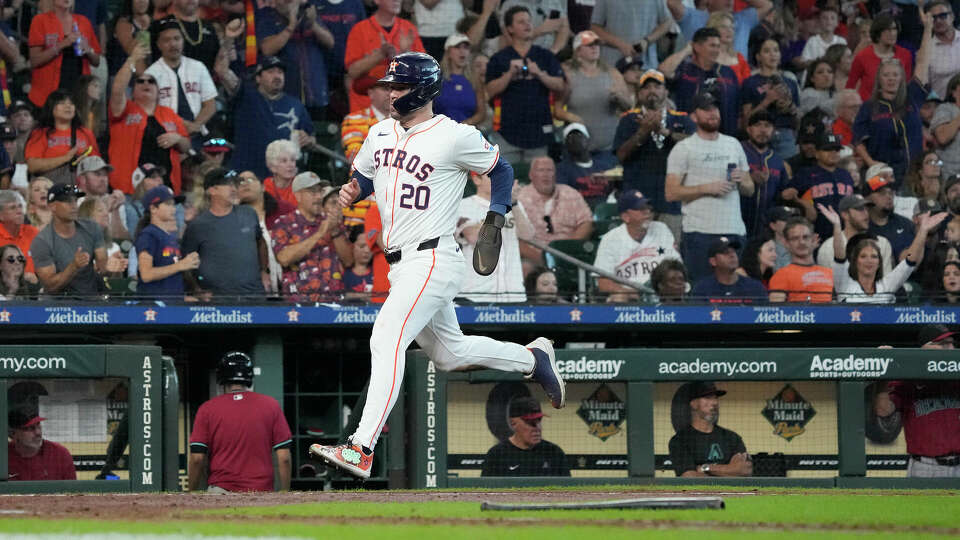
<point x="84" y="392"/>
<point x="804" y="414"/>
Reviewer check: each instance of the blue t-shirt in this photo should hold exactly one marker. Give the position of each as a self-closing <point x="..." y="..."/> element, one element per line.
<point x="743" y="22"/>
<point x="754" y="208"/>
<point x="339" y="17"/>
<point x="821" y="186"/>
<point x="165" y="250"/>
<point x="457" y="98"/>
<point x="646" y="168"/>
<point x="898" y="230"/>
<point x="746" y="290"/>
<point x="259" y="121"/>
<point x="354" y="283"/>
<point x="525" y="118"/>
<point x="581" y="178"/>
<point x="690" y="80"/>
<point x="890" y="137"/>
<point x="306" y="73"/>
<point x="754" y="89"/>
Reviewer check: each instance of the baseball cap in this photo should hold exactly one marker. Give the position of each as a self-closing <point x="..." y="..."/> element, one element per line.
<point x="934" y="97"/>
<point x="91" y="164"/>
<point x="23" y="418"/>
<point x="933" y="333"/>
<point x="951" y="181"/>
<point x="167" y="23"/>
<point x="781" y="213"/>
<point x="875" y="184"/>
<point x="701" y="389"/>
<point x="877" y="169"/>
<point x="628" y="62"/>
<point x="853" y="201"/>
<point x="829" y="141"/>
<point x="527" y="408"/>
<point x="632" y="199"/>
<point x="160" y="194"/>
<point x="722" y="244"/>
<point x="705" y="101"/>
<point x="811" y="129"/>
<point x="575" y="126"/>
<point x="269" y="62"/>
<point x="652" y="75"/>
<point x="760" y="116"/>
<point x="20" y="105"/>
<point x="218" y="177"/>
<point x="64" y="192"/>
<point x="217" y="145"/>
<point x="454" y="40"/>
<point x="365" y="83"/>
<point x="585" y="37"/>
<point x="145" y="171"/>
<point x="305" y="180"/>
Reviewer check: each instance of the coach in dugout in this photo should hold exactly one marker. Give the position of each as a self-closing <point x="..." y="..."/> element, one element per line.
<point x="930" y="413"/>
<point x="525" y="453"/>
<point x="703" y="448"/>
<point x="236" y="434"/>
<point x="30" y="456"/>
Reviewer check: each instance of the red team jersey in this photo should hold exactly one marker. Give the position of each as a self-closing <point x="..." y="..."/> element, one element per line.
<point x="54" y="462"/>
<point x="240" y="431"/>
<point x="931" y="416"/>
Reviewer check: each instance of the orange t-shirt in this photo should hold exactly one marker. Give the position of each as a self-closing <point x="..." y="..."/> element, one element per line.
<point x="126" y="138"/>
<point x="365" y="36"/>
<point x="285" y="194"/>
<point x="45" y="32"/>
<point x="372" y="227"/>
<point x="44" y="143"/>
<point x="23" y="240"/>
<point x="804" y="283"/>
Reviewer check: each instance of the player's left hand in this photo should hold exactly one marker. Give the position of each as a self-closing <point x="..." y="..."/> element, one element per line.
<point x="348" y="193"/>
<point x="486" y="254"/>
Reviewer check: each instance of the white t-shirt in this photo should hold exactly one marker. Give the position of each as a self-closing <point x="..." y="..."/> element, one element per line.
<point x="441" y="21"/>
<point x="194" y="78"/>
<point x="623" y="256"/>
<point x="419" y="174"/>
<point x="850" y="291"/>
<point x="701" y="161"/>
<point x="505" y="284"/>
<point x="817" y="47"/>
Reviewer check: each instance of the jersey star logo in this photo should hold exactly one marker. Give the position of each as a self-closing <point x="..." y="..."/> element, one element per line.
<point x="4" y="316"/>
<point x="855" y="315"/>
<point x="661" y="251"/>
<point x="575" y="314"/>
<point x="290" y="120"/>
<point x="293" y="316"/>
<point x="150" y="315"/>
<point x="716" y="314"/>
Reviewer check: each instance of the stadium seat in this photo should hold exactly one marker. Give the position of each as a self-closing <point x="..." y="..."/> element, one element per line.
<point x="521" y="171"/>
<point x="567" y="273"/>
<point x="606" y="211"/>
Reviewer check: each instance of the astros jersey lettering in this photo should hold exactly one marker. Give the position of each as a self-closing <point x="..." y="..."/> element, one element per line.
<point x="424" y="167"/>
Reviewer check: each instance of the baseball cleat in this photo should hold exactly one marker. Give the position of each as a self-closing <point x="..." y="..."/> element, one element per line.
<point x="546" y="372"/>
<point x="348" y="456"/>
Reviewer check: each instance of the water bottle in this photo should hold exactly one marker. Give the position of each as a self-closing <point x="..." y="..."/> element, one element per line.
<point x="78" y="44"/>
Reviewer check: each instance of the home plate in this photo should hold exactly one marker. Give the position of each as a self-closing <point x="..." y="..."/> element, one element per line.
<point x="652" y="503"/>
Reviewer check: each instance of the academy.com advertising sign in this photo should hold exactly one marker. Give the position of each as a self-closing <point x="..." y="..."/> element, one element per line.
<point x="756" y="364"/>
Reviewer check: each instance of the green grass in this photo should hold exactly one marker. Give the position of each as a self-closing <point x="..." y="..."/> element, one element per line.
<point x="414" y="532"/>
<point x="836" y="510"/>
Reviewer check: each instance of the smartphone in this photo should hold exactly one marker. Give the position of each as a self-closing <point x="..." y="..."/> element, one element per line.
<point x="143" y="36"/>
<point x="730" y="168"/>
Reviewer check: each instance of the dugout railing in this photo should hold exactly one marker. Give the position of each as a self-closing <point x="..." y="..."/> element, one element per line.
<point x="151" y="406"/>
<point x="437" y="400"/>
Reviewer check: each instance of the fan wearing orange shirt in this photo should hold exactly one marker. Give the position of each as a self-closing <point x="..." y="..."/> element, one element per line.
<point x="801" y="280"/>
<point x="58" y="140"/>
<point x="63" y="46"/>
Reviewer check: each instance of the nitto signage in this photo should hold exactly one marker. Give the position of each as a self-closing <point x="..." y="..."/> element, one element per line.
<point x="788" y="413"/>
<point x="603" y="412"/>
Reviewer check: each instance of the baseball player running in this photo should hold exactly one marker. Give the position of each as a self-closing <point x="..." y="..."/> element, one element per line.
<point x="416" y="163"/>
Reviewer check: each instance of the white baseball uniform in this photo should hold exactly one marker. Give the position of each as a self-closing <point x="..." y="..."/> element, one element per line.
<point x="505" y="284"/>
<point x="623" y="256"/>
<point x="418" y="176"/>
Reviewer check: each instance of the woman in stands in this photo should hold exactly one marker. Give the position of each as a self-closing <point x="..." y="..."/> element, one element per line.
<point x="88" y="97"/>
<point x="596" y="94"/>
<point x="724" y="23"/>
<point x="840" y="58"/>
<point x="38" y="213"/>
<point x="950" y="283"/>
<point x="12" y="283"/>
<point x="669" y="281"/>
<point x="818" y="90"/>
<point x="59" y="140"/>
<point x="159" y="261"/>
<point x="135" y="17"/>
<point x="759" y="259"/>
<point x="541" y="286"/>
<point x="772" y="90"/>
<point x="888" y="127"/>
<point x="282" y="156"/>
<point x="862" y="281"/>
<point x="462" y="97"/>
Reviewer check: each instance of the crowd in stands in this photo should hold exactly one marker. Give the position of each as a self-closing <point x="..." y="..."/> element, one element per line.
<point x="745" y="151"/>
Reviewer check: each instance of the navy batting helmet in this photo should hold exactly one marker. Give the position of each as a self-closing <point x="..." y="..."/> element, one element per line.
<point x="235" y="367"/>
<point x="421" y="72"/>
